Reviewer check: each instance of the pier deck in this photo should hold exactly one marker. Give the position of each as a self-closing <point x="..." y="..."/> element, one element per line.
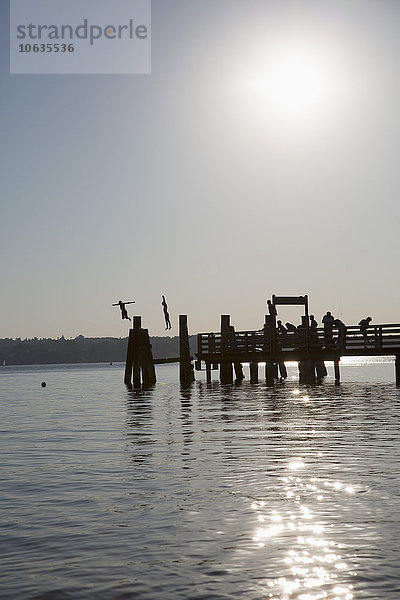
<point x="304" y="345"/>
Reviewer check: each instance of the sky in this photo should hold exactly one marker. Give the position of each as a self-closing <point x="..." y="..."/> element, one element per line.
<point x="258" y="158"/>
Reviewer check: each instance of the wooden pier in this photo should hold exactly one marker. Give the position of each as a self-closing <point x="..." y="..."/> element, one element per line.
<point x="228" y="349"/>
<point x="310" y="348"/>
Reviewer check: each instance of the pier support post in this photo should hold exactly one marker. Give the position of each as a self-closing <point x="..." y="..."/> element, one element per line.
<point x="208" y="372"/>
<point x="186" y="375"/>
<point x="253" y="372"/>
<point x="337" y="372"/>
<point x="397" y="369"/>
<point x="129" y="359"/>
<point x="137" y="326"/>
<point x="282" y="370"/>
<point x="306" y="371"/>
<point x="226" y="371"/>
<point x="239" y="375"/>
<point x="321" y="369"/>
<point x="146" y="359"/>
<point x="271" y="372"/>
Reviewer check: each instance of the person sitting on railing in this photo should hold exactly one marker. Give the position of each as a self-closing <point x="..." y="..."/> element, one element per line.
<point x="328" y="320"/>
<point x="290" y="327"/>
<point x="342" y="332"/>
<point x="281" y="334"/>
<point x="281" y="329"/>
<point x="364" y="324"/>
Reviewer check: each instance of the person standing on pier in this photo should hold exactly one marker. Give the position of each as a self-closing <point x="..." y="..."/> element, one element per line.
<point x="328" y="320"/>
<point x="364" y="324"/>
<point x="342" y="332"/>
<point x="272" y="320"/>
<point x="313" y="334"/>
<point x="271" y="308"/>
<point x="166" y="314"/>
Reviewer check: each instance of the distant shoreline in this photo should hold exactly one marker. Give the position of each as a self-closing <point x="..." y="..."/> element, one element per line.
<point x="81" y="350"/>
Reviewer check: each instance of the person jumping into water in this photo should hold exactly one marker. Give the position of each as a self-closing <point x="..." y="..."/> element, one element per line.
<point x="124" y="312"/>
<point x="166" y="314"/>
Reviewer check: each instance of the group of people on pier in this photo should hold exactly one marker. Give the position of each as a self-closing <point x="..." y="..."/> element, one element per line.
<point x="334" y="330"/>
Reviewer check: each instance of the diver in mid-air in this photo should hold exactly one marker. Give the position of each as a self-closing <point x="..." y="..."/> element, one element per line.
<point x="124" y="312"/>
<point x="166" y="314"/>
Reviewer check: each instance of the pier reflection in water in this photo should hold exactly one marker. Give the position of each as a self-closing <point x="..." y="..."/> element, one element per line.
<point x="245" y="491"/>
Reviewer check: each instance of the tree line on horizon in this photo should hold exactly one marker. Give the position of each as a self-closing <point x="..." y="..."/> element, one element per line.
<point x="44" y="351"/>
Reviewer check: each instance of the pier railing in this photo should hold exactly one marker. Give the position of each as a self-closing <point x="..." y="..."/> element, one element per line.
<point x="377" y="339"/>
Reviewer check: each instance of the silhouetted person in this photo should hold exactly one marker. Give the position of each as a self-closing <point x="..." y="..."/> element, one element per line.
<point x="281" y="328"/>
<point x="124" y="312"/>
<point x="291" y="327"/>
<point x="342" y="332"/>
<point x="166" y="314"/>
<point x="271" y="309"/>
<point x="364" y="324"/>
<point x="312" y="331"/>
<point x="328" y="320"/>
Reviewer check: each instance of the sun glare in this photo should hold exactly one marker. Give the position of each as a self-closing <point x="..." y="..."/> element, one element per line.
<point x="292" y="83"/>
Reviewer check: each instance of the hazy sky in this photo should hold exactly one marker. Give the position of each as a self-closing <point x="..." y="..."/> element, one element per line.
<point x="260" y="157"/>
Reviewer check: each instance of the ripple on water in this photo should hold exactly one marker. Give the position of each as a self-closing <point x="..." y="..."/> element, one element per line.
<point x="286" y="493"/>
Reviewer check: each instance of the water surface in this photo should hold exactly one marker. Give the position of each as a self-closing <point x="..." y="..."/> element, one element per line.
<point x="243" y="491"/>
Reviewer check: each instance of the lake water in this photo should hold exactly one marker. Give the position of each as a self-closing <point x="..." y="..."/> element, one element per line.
<point x="246" y="491"/>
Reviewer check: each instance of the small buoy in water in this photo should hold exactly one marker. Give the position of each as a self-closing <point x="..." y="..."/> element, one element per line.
<point x="44" y="384"/>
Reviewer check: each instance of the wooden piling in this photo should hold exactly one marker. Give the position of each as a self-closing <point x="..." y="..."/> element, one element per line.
<point x="129" y="359"/>
<point x="282" y="370"/>
<point x="306" y="371"/>
<point x="137" y="325"/>
<point x="320" y="369"/>
<point x="147" y="364"/>
<point x="271" y="372"/>
<point x="254" y="372"/>
<point x="208" y="372"/>
<point x="239" y="375"/>
<point x="186" y="376"/>
<point x="337" y="372"/>
<point x="139" y="357"/>
<point x="226" y="371"/>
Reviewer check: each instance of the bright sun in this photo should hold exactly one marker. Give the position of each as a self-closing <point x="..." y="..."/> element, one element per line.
<point x="296" y="84"/>
<point x="292" y="83"/>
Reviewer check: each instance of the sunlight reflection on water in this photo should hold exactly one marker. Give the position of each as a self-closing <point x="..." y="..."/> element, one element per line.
<point x="211" y="493"/>
<point x="317" y="568"/>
